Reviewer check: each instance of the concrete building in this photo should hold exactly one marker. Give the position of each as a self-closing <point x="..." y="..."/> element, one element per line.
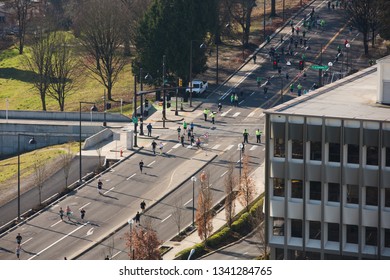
<point x="327" y="170"/>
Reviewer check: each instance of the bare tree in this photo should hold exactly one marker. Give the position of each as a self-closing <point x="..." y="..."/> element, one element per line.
<point x="257" y="221"/>
<point x="144" y="242"/>
<point x="177" y="214"/>
<point x="100" y="23"/>
<point x="66" y="160"/>
<point x="40" y="62"/>
<point x="63" y="70"/>
<point x="23" y="15"/>
<point x="247" y="185"/>
<point x="230" y="184"/>
<point x="39" y="176"/>
<point x="204" y="209"/>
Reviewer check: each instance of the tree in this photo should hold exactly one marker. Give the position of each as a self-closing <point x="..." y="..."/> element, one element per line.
<point x="40" y="62"/>
<point x="247" y="185"/>
<point x="384" y="17"/>
<point x="144" y="242"/>
<point x="63" y="70"/>
<point x="65" y="161"/>
<point x="257" y="221"/>
<point x="100" y="23"/>
<point x="39" y="176"/>
<point x="230" y="184"/>
<point x="177" y="214"/>
<point x="23" y="16"/>
<point x="204" y="210"/>
<point x="241" y="12"/>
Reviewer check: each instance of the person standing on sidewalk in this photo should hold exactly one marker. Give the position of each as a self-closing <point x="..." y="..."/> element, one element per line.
<point x="299" y="87"/>
<point x="205" y="113"/>
<point x="212" y="115"/>
<point x="245" y="134"/>
<point x="142" y="206"/>
<point x="137" y="217"/>
<point x="258" y="136"/>
<point x="141" y="165"/>
<point x="149" y="127"/>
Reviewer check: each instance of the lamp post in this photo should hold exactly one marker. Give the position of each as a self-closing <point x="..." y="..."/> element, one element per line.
<point x="264" y="23"/>
<point x="31" y="141"/>
<point x="202" y="46"/>
<point x="330" y="64"/>
<point x="141" y="126"/>
<point x="93" y="108"/>
<point x="105" y="108"/>
<point x="193" y="179"/>
<point x="348" y="45"/>
<point x="240" y="146"/>
<point x="135" y="118"/>
<point x="131" y="253"/>
<point x="164" y="116"/>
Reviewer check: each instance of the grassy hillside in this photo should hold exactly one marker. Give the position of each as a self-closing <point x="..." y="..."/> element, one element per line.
<point x="16" y="85"/>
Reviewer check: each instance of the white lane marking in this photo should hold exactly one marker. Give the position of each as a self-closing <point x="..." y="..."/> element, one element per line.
<point x="151" y="163"/>
<point x="109" y="190"/>
<point x="187" y="202"/>
<point x="223" y="174"/>
<point x="263" y="149"/>
<point x="251" y="114"/>
<point x="238" y="161"/>
<point x="215" y="147"/>
<point x="85" y="205"/>
<point x="225" y="113"/>
<point x="116" y="254"/>
<point x="26" y="241"/>
<point x="130" y="177"/>
<point x="252" y="93"/>
<point x="90" y="231"/>
<point x="252" y="148"/>
<point x="189" y="147"/>
<point x="169" y="151"/>
<point x="166" y="218"/>
<point x="236" y="114"/>
<point x="241" y="102"/>
<point x="56" y="223"/>
<point x="176" y="146"/>
<point x="59" y="240"/>
<point x="261" y="115"/>
<point x="229" y="147"/>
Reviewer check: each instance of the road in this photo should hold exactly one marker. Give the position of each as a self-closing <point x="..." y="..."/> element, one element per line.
<point x="46" y="237"/>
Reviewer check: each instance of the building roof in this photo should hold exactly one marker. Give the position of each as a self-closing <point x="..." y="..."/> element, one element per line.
<point x="354" y="97"/>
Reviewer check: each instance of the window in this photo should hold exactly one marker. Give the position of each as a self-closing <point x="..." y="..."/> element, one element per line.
<point x="387" y="197"/>
<point x="278" y="226"/>
<point x="353" y="194"/>
<point x="296" y="228"/>
<point x="353" y="154"/>
<point x="315" y="190"/>
<point x="315" y="230"/>
<point x="372" y="155"/>
<point x="371" y="236"/>
<point x="315" y="151"/>
<point x="372" y="196"/>
<point x="387" y="156"/>
<point x="296" y="188"/>
<point x="387" y="237"/>
<point x="333" y="232"/>
<point x="297" y="149"/>
<point x="279" y="147"/>
<point x="352" y="234"/>
<point x="334" y="152"/>
<point x="278" y="187"/>
<point x="334" y="192"/>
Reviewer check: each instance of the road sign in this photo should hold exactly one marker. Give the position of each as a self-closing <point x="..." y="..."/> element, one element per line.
<point x="319" y="67"/>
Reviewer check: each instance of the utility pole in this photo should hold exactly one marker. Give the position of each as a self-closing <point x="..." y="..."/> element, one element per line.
<point x="164" y="111"/>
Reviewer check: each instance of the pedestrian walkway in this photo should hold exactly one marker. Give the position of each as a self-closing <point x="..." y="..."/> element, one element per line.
<point x="219" y="220"/>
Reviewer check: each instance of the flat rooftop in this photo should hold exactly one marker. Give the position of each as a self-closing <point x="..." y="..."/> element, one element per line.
<point x="354" y="97"/>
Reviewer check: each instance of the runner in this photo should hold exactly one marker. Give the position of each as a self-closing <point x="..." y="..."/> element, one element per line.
<point x="68" y="212"/>
<point x="100" y="186"/>
<point x="143" y="205"/>
<point x="141" y="165"/>
<point x="61" y="211"/>
<point x="161" y="146"/>
<point x="82" y="214"/>
<point x="19" y="239"/>
<point x="178" y="133"/>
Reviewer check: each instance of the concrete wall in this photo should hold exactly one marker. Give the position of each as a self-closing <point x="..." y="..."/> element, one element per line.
<point x="63" y="116"/>
<point x="97" y="138"/>
<point x="45" y="135"/>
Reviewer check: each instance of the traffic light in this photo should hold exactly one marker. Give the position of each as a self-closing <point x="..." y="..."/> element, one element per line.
<point x="180" y="82"/>
<point x="146" y="103"/>
<point x="301" y="64"/>
<point x="275" y="64"/>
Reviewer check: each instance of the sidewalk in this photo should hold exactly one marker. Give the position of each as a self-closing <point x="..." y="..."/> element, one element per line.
<point x="219" y="220"/>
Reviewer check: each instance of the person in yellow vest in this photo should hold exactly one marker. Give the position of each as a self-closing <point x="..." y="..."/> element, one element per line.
<point x="212" y="115"/>
<point x="205" y="113"/>
<point x="258" y="136"/>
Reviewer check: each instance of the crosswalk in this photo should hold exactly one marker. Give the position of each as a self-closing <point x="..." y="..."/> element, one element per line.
<point x="221" y="147"/>
<point x="232" y="113"/>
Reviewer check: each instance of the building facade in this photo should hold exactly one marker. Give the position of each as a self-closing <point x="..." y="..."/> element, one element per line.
<point x="327" y="172"/>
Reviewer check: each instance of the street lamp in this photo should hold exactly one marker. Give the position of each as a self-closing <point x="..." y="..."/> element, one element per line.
<point x="240" y="146"/>
<point x="193" y="179"/>
<point x="202" y="46"/>
<point x="32" y="142"/>
<point x="105" y="108"/>
<point x="330" y="64"/>
<point x="164" y="116"/>
<point x="348" y="45"/>
<point x="135" y="118"/>
<point x="93" y="108"/>
<point x="131" y="253"/>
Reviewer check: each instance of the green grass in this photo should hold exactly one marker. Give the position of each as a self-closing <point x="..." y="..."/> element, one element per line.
<point x="9" y="167"/>
<point x="16" y="83"/>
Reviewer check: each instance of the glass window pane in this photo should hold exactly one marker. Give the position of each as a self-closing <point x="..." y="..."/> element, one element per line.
<point x="334" y="192"/>
<point x="315" y="230"/>
<point x="315" y="190"/>
<point x="353" y="194"/>
<point x="352" y="234"/>
<point x="278" y="226"/>
<point x="372" y="196"/>
<point x="371" y="236"/>
<point x="334" y="152"/>
<point x="279" y="147"/>
<point x="333" y="232"/>
<point x="296" y="188"/>
<point x="278" y="187"/>
<point x="387" y="197"/>
<point x="297" y="149"/>
<point x="387" y="156"/>
<point x="315" y="151"/>
<point x="372" y="155"/>
<point x="296" y="228"/>
<point x="353" y="154"/>
<point x="387" y="237"/>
